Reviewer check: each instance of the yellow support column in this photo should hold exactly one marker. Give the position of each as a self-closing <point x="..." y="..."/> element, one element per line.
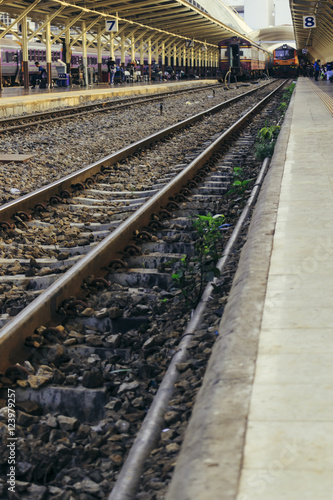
<point x="25" y="57"/>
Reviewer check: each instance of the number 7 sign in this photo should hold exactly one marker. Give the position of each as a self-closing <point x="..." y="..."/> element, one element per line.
<point x="111" y="25"/>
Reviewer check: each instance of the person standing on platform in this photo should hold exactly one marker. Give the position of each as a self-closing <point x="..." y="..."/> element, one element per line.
<point x="41" y="75"/>
<point x="111" y="69"/>
<point x="316" y="68"/>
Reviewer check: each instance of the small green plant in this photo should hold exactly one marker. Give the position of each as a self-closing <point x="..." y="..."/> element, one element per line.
<point x="266" y="140"/>
<point x="238" y="173"/>
<point x="286" y="96"/>
<point x="240" y="184"/>
<point x="268" y="133"/>
<point x="264" y="150"/>
<point x="283" y="107"/>
<point x="239" y="187"/>
<point x="194" y="272"/>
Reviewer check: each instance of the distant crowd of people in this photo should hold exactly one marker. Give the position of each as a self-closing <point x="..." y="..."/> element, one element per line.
<point x="318" y="71"/>
<point x="133" y="72"/>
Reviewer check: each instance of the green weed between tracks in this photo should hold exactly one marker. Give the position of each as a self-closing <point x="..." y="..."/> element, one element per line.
<point x="193" y="272"/>
<point x="267" y="136"/>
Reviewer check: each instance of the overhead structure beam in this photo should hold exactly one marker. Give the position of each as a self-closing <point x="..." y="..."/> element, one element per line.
<point x="49" y="19"/>
<point x="313" y="26"/>
<point x="70" y="24"/>
<point x="170" y="18"/>
<point x="24" y="14"/>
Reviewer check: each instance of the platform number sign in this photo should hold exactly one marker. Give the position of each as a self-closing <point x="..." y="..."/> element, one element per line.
<point x="309" y="21"/>
<point x="111" y="25"/>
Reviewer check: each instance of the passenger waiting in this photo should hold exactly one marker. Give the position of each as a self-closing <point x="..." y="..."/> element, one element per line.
<point x="41" y="75"/>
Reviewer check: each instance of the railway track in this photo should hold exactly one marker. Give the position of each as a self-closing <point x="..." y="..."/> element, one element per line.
<point x="107" y="318"/>
<point x="67" y="210"/>
<point x="25" y="121"/>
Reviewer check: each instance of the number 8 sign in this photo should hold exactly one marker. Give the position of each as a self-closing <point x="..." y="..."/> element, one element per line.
<point x="309" y="21"/>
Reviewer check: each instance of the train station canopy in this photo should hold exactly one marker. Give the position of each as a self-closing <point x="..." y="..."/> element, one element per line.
<point x="313" y="25"/>
<point x="166" y="19"/>
<point x="274" y="36"/>
<point x="281" y="33"/>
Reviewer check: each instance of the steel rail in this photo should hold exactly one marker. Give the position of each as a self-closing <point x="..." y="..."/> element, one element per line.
<point x="67" y="113"/>
<point x="27" y="202"/>
<point x="44" y="309"/>
<point x="129" y="478"/>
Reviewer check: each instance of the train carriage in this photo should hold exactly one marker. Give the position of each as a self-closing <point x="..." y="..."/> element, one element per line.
<point x="12" y="60"/>
<point x="243" y="58"/>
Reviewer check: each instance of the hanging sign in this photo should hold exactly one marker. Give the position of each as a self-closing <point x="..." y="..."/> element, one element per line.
<point x="189" y="43"/>
<point x="111" y="25"/>
<point x="204" y="48"/>
<point x="304" y="51"/>
<point x="309" y="21"/>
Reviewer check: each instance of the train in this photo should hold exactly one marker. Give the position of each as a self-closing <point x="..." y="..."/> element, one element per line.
<point x="12" y="61"/>
<point x="243" y="59"/>
<point x="285" y="61"/>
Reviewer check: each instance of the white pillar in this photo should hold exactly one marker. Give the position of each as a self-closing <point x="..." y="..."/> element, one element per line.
<point x="163" y="55"/>
<point x="149" y="59"/>
<point x="142" y="52"/>
<point x="132" y="48"/>
<point x="25" y="56"/>
<point x="48" y="51"/>
<point x="99" y="53"/>
<point x="84" y="52"/>
<point x="112" y="46"/>
<point x="149" y="51"/>
<point x="169" y="56"/>
<point x="175" y="55"/>
<point x="122" y="49"/>
<point x="68" y="46"/>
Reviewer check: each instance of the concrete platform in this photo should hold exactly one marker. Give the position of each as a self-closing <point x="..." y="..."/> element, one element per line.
<point x="262" y="426"/>
<point x="17" y="100"/>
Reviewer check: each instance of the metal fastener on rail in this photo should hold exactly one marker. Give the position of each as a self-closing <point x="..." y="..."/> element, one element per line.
<point x="132" y="250"/>
<point x="23" y="215"/>
<point x="117" y="264"/>
<point x="143" y="235"/>
<point x="173" y="205"/>
<point x="89" y="182"/>
<point x="6" y="225"/>
<point x="54" y="200"/>
<point x="155" y="224"/>
<point x="99" y="283"/>
<point x="164" y="214"/>
<point x="72" y="306"/>
<point x="40" y="207"/>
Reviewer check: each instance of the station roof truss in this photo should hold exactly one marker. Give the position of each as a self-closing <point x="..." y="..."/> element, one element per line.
<point x="166" y="20"/>
<point x="318" y="40"/>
